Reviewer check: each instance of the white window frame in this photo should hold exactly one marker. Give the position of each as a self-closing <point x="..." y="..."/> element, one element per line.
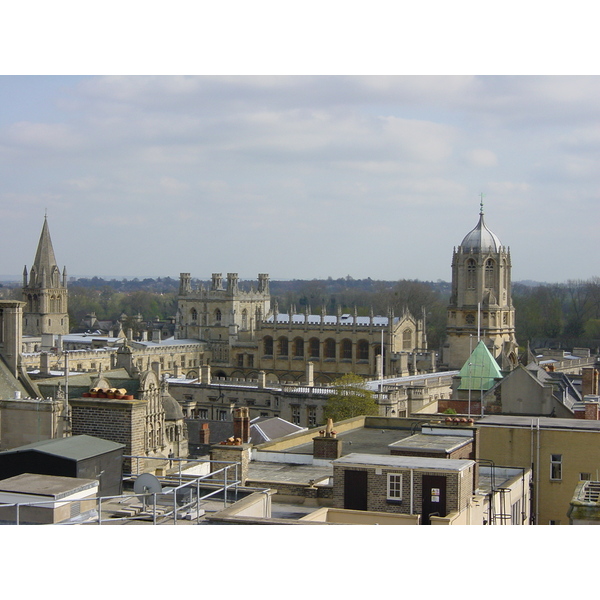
<point x="394" y="487"/>
<point x="556" y="463"/>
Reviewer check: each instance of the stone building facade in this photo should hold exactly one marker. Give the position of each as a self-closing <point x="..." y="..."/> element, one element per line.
<point x="481" y="303"/>
<point x="45" y="292"/>
<point x="245" y="333"/>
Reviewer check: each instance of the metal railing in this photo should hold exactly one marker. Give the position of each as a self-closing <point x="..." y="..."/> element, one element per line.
<point x="160" y="507"/>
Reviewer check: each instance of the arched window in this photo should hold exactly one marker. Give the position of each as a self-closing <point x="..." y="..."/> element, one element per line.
<point x="407" y="339"/>
<point x="329" y="348"/>
<point x="299" y="347"/>
<point x="347" y="349"/>
<point x="314" y="348"/>
<point x="268" y="345"/>
<point x="218" y="316"/>
<point x="471" y="274"/>
<point x="244" y="319"/>
<point x="362" y="350"/>
<point x="194" y="314"/>
<point x="489" y="273"/>
<point x="282" y="346"/>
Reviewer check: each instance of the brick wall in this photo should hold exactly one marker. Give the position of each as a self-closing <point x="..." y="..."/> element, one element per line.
<point x="458" y="489"/>
<point x="122" y="421"/>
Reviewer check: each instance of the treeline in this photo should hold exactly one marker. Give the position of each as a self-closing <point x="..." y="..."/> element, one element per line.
<point x="561" y="315"/>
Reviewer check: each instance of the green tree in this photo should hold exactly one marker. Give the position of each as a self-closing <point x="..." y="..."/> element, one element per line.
<point x="351" y="399"/>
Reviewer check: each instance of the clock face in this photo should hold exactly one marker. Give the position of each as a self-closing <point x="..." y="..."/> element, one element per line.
<point x="470" y="318"/>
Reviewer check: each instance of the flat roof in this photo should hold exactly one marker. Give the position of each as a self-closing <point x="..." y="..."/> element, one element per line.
<point x="45" y="485"/>
<point x="405" y="462"/>
<point x="442" y="444"/>
<point x="366" y="440"/>
<point x="532" y="421"/>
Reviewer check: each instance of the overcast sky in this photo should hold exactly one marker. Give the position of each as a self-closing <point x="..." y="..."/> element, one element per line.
<point x="299" y="176"/>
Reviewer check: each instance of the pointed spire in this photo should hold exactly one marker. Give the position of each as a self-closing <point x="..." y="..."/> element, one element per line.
<point x="45" y="261"/>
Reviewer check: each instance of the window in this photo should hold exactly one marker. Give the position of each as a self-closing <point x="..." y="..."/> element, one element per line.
<point x="585" y="476"/>
<point x="489" y="273"/>
<point x="515" y="513"/>
<point x="471" y="274"/>
<point x="283" y="346"/>
<point x="296" y="415"/>
<point x="556" y="467"/>
<point x="218" y="316"/>
<point x="346" y="349"/>
<point x="407" y="339"/>
<point x="363" y="350"/>
<point x="329" y="348"/>
<point x="268" y="346"/>
<point x="194" y="314"/>
<point x="244" y="319"/>
<point x="394" y="487"/>
<point x="298" y="347"/>
<point x="314" y="348"/>
<point x="222" y="415"/>
<point x="203" y="413"/>
<point x="312" y="416"/>
<point x="240" y="360"/>
<point x="554" y="522"/>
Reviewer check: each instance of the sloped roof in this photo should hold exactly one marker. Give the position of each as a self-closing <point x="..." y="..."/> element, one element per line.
<point x="265" y="429"/>
<point x="481" y="370"/>
<point x="78" y="447"/>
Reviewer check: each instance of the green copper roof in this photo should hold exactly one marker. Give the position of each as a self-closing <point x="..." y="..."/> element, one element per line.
<point x="481" y="371"/>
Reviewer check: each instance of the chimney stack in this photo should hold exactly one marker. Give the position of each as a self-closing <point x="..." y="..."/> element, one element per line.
<point x="241" y="424"/>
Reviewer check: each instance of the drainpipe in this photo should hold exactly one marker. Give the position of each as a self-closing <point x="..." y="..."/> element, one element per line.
<point x="411" y="491"/>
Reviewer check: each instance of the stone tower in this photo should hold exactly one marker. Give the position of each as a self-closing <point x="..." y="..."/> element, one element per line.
<point x="45" y="292"/>
<point x="481" y="305"/>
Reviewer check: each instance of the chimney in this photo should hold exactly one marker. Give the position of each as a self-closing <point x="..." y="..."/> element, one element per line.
<point x="326" y="445"/>
<point x="204" y="434"/>
<point x="241" y="424"/>
<point x="156" y="335"/>
<point x="589" y="381"/>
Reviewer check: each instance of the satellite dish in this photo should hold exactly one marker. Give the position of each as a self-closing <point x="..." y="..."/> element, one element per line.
<point x="146" y="483"/>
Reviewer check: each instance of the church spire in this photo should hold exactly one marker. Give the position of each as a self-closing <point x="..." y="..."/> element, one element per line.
<point x="45" y="261"/>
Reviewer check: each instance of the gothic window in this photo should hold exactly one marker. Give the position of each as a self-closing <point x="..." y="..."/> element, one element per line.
<point x="282" y="349"/>
<point x="489" y="273"/>
<point x="268" y="345"/>
<point x="194" y="314"/>
<point x="471" y="274"/>
<point x="313" y="348"/>
<point x="244" y="319"/>
<point x="407" y="339"/>
<point x="347" y="349"/>
<point x="329" y="348"/>
<point x="240" y="360"/>
<point x="362" y="350"/>
<point x="299" y="347"/>
<point x="218" y="316"/>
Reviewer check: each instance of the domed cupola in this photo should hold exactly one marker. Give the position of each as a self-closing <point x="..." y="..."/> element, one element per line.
<point x="481" y="238"/>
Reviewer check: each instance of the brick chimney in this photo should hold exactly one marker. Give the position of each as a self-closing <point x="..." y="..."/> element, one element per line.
<point x="204" y="434"/>
<point x="327" y="446"/>
<point x="241" y="424"/>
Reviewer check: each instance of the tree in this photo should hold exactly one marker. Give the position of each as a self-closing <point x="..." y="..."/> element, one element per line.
<point x="351" y="399"/>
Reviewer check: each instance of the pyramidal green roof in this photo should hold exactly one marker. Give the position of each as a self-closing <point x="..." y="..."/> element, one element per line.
<point x="481" y="370"/>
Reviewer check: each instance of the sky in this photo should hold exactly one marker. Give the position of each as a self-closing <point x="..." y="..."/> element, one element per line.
<point x="301" y="175"/>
